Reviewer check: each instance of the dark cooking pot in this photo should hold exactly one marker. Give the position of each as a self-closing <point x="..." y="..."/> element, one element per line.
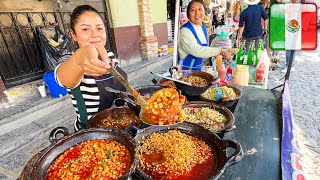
<point x="60" y="145"/>
<point x="118" y="107"/>
<point x="164" y="83"/>
<point x="192" y="90"/>
<point x="25" y="174"/>
<point x="218" y="146"/>
<point x="229" y="126"/>
<point x="225" y="103"/>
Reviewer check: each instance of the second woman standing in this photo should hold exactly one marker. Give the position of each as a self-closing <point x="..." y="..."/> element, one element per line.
<point x="193" y="39"/>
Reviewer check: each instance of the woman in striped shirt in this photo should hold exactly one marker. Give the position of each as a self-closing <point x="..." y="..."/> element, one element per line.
<point x="86" y="72"/>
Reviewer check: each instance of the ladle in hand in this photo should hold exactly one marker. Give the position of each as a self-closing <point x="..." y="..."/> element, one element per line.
<point x="126" y="84"/>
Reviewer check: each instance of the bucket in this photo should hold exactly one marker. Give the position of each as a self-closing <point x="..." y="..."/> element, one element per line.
<point x="54" y="89"/>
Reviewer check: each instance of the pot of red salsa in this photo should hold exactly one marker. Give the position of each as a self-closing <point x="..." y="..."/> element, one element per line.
<point x="87" y="154"/>
<point x="182" y="151"/>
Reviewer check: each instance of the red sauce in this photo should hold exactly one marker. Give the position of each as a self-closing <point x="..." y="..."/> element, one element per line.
<point x="91" y="157"/>
<point x="198" y="172"/>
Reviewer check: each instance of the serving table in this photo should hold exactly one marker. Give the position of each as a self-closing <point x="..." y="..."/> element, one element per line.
<point x="258" y="120"/>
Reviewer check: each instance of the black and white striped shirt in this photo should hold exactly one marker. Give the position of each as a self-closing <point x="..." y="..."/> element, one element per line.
<point x="85" y="96"/>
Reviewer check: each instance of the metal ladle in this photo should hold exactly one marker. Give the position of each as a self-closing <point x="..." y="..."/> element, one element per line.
<point x="135" y="94"/>
<point x="127" y="85"/>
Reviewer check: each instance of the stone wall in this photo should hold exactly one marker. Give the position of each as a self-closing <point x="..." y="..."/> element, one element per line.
<point x="149" y="42"/>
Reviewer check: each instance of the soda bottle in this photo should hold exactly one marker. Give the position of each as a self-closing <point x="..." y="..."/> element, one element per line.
<point x="250" y="55"/>
<point x="240" y="54"/>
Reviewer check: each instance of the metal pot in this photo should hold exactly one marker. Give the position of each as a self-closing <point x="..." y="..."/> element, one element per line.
<point x="225" y="103"/>
<point x="225" y="111"/>
<point x="25" y="174"/>
<point x="161" y="81"/>
<point x="60" y="145"/>
<point x="218" y="146"/>
<point x="192" y="90"/>
<point x="119" y="106"/>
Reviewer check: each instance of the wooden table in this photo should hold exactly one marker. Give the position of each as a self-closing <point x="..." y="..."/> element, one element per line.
<point x="259" y="129"/>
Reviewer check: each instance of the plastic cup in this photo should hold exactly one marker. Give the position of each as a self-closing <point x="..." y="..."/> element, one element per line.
<point x="42" y="90"/>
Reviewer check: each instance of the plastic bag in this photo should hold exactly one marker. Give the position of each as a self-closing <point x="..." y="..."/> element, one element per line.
<point x="52" y="49"/>
<point x="261" y="66"/>
<point x="223" y="42"/>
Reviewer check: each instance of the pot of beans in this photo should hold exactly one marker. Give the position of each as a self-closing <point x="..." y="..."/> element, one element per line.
<point x="166" y="83"/>
<point x="200" y="81"/>
<point x="94" y="153"/>
<point x="119" y="115"/>
<point x="230" y="95"/>
<point x="215" y="118"/>
<point x="183" y="151"/>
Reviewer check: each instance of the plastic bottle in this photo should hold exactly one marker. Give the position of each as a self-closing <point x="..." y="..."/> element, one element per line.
<point x="240" y="54"/>
<point x="229" y="74"/>
<point x="250" y="55"/>
<point x="218" y="61"/>
<point x="222" y="71"/>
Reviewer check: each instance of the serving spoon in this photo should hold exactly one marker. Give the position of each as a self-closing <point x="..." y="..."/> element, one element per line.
<point x="172" y="79"/>
<point x="127" y="85"/>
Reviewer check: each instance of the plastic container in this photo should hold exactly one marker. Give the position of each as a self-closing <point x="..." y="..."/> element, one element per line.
<point x="42" y="91"/>
<point x="260" y="72"/>
<point x="222" y="72"/>
<point x="209" y="70"/>
<point x="241" y="75"/>
<point x="55" y="90"/>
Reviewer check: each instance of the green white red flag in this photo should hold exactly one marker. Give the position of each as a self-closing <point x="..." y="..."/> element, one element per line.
<point x="293" y="26"/>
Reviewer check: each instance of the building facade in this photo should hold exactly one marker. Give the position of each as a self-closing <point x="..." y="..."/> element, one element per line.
<point x="136" y="28"/>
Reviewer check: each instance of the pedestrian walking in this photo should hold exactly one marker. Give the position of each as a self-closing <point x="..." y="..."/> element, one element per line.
<point x="250" y="28"/>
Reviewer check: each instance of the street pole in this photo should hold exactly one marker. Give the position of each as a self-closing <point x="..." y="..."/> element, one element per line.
<point x="289" y="65"/>
<point x="288" y="71"/>
<point x="176" y="33"/>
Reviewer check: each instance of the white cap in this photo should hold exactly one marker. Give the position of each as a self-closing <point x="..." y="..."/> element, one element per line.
<point x="251" y="2"/>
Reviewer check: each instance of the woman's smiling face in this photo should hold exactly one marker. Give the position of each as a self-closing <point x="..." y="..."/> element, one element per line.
<point x="89" y="29"/>
<point x="196" y="13"/>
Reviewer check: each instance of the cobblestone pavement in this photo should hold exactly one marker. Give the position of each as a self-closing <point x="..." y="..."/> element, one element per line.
<point x="305" y="99"/>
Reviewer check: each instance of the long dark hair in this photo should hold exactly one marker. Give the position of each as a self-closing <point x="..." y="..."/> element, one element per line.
<point x="78" y="11"/>
<point x="190" y="4"/>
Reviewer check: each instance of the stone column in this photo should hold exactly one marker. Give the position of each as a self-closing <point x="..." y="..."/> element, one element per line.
<point x="149" y="42"/>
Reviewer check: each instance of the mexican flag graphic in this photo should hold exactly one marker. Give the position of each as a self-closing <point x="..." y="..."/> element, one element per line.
<point x="293" y="26"/>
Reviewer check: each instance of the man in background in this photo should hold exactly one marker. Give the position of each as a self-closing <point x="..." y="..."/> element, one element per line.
<point x="250" y="28"/>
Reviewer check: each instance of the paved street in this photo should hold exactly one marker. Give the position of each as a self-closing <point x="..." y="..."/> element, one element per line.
<point x="24" y="134"/>
<point x="305" y="99"/>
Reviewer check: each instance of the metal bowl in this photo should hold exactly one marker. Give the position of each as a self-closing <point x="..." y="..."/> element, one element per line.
<point x="229" y="125"/>
<point x="225" y="103"/>
<point x="164" y="83"/>
<point x="193" y="90"/>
